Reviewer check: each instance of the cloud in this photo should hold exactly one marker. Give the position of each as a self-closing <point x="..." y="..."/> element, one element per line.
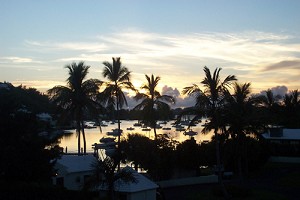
<point x="15" y="59"/>
<point x="290" y="64"/>
<point x="179" y="58"/>
<point x="41" y="85"/>
<point x="277" y="91"/>
<point x="170" y="91"/>
<point x="181" y="101"/>
<point x="73" y="46"/>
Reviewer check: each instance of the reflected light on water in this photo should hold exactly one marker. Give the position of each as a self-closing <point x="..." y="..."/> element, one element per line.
<point x="93" y="135"/>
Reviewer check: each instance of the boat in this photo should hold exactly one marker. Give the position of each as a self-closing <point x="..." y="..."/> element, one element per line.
<point x="158" y="126"/>
<point x="146" y="129"/>
<point x="130" y="129"/>
<point x="137" y="124"/>
<point x="107" y="139"/>
<point x="180" y="129"/>
<point x="115" y="132"/>
<point x="190" y="133"/>
<point x="89" y="124"/>
<point x="166" y="128"/>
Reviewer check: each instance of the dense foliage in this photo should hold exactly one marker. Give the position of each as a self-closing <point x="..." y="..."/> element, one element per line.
<point x="23" y="154"/>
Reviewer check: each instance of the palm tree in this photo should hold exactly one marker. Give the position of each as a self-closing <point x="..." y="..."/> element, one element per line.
<point x="118" y="79"/>
<point x="291" y="109"/>
<point x="210" y="103"/>
<point x="152" y="101"/>
<point x="78" y="97"/>
<point x="241" y="120"/>
<point x="271" y="107"/>
<point x="104" y="175"/>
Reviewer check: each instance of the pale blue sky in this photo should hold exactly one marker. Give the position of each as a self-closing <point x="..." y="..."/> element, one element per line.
<point x="257" y="40"/>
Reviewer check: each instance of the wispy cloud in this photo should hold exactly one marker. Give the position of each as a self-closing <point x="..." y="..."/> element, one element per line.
<point x="180" y="58"/>
<point x="71" y="46"/>
<point x="290" y="64"/>
<point x="15" y="59"/>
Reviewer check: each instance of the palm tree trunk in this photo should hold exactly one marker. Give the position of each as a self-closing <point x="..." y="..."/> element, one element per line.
<point x="155" y="135"/>
<point x="239" y="156"/>
<point x="78" y="134"/>
<point x="119" y="135"/>
<point x="83" y="136"/>
<point x="219" y="170"/>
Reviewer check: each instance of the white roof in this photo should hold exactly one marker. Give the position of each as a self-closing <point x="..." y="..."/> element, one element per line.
<point x="75" y="163"/>
<point x="287" y="134"/>
<point x="141" y="184"/>
<point x="44" y="116"/>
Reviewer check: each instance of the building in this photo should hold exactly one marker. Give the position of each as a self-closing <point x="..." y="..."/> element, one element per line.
<point x="72" y="170"/>
<point x="283" y="142"/>
<point x="283" y="136"/>
<point x="141" y="189"/>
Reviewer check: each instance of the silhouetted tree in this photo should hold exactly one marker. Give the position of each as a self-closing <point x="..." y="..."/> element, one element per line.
<point x="210" y="103"/>
<point x="78" y="97"/>
<point x="153" y="102"/>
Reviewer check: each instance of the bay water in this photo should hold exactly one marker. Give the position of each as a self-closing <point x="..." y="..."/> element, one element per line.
<point x="93" y="135"/>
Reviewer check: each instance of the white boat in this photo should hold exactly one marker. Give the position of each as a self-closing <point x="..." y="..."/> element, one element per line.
<point x="89" y="124"/>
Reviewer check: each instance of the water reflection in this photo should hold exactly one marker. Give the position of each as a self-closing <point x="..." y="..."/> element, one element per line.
<point x="93" y="135"/>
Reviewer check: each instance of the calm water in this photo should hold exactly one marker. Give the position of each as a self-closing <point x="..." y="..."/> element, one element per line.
<point x="93" y="135"/>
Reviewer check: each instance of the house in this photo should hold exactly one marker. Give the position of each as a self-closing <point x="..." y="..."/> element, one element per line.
<point x="283" y="136"/>
<point x="73" y="170"/>
<point x="283" y="142"/>
<point x="141" y="189"/>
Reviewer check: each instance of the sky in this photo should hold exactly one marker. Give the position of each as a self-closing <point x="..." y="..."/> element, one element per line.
<point x="256" y="40"/>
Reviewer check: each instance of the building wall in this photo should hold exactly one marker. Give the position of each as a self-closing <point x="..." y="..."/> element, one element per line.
<point x="142" y="195"/>
<point x="73" y="181"/>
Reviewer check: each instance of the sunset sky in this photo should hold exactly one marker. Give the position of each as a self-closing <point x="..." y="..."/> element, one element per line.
<point x="256" y="40"/>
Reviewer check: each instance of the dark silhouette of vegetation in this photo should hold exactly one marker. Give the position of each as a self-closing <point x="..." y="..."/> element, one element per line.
<point x="24" y="157"/>
<point x="210" y="104"/>
<point x="105" y="176"/>
<point x="118" y="79"/>
<point x="157" y="157"/>
<point x="153" y="103"/>
<point x="242" y="121"/>
<point x="78" y="97"/>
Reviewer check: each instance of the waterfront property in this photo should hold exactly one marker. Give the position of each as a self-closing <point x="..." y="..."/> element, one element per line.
<point x="72" y="171"/>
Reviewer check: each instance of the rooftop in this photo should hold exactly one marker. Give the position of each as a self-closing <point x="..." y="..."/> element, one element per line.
<point x="141" y="184"/>
<point x="287" y="134"/>
<point x="75" y="163"/>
